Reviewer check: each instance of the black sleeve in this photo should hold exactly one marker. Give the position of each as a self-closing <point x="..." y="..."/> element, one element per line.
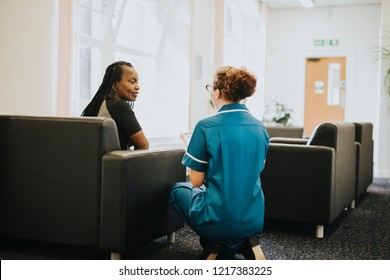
<point x="124" y="117"/>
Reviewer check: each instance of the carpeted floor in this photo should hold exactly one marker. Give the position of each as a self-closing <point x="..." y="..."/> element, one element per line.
<point x="362" y="233"/>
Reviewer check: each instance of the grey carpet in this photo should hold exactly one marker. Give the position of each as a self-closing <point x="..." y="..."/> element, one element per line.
<point x="362" y="233"/>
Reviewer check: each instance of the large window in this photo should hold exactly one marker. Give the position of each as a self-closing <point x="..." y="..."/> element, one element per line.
<point x="154" y="36"/>
<point x="244" y="45"/>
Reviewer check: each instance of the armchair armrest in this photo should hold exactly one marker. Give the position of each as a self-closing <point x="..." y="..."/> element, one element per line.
<point x="135" y="190"/>
<point x="298" y="183"/>
<point x="287" y="140"/>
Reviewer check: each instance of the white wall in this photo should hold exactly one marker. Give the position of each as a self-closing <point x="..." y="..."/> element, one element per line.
<point x="290" y="40"/>
<point x="28" y="57"/>
<point x="290" y="36"/>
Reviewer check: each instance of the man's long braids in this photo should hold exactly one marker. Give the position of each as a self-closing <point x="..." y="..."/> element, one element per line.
<point x="111" y="77"/>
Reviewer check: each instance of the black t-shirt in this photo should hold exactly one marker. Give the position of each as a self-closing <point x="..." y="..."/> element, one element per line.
<point x="125" y="120"/>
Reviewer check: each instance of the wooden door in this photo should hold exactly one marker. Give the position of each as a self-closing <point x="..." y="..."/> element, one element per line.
<point x="324" y="91"/>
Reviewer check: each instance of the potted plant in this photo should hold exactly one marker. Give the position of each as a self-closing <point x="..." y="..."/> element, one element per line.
<point x="277" y="114"/>
<point x="385" y="56"/>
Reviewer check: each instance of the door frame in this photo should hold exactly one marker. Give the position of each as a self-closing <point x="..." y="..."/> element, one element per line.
<point x="350" y="56"/>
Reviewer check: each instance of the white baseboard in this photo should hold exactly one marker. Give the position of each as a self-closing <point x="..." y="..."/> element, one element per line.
<point x="382" y="174"/>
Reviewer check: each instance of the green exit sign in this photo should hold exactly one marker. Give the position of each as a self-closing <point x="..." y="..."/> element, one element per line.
<point x="326" y="42"/>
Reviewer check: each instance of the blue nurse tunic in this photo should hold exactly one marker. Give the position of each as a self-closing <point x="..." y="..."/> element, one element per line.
<point x="230" y="147"/>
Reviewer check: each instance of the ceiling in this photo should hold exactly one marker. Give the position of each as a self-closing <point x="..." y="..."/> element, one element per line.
<point x="281" y="4"/>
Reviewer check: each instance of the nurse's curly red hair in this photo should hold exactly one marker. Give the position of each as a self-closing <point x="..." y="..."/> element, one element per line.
<point x="235" y="84"/>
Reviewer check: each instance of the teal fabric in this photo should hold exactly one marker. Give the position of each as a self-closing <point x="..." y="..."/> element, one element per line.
<point x="231" y="148"/>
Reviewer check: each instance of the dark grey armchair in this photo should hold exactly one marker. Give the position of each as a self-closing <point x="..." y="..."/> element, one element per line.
<point x="311" y="183"/>
<point x="65" y="180"/>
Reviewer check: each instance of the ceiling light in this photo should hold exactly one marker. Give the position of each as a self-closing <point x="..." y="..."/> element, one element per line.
<point x="307" y="3"/>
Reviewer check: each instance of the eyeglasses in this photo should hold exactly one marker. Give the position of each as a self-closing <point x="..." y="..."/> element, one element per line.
<point x="209" y="87"/>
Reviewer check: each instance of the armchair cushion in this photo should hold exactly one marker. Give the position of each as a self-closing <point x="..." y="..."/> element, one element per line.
<point x="288" y="140"/>
<point x="298" y="183"/>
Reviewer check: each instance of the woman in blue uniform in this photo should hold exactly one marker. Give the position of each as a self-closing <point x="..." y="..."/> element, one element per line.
<point x="224" y="202"/>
